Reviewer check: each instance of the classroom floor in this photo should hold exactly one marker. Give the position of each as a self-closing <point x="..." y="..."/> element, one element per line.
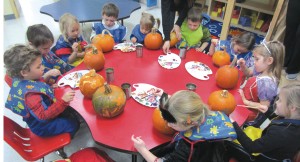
<point x="14" y="33"/>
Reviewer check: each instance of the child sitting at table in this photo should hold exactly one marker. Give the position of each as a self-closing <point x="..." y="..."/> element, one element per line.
<point x="139" y="32"/>
<point x="197" y="125"/>
<point x="70" y="44"/>
<point x="110" y="13"/>
<point x="262" y="86"/>
<point x="41" y="38"/>
<point x="194" y="34"/>
<point x="33" y="99"/>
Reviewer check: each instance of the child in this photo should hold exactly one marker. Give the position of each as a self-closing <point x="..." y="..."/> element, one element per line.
<point x="186" y="113"/>
<point x="262" y="86"/>
<point x="70" y="44"/>
<point x="41" y="38"/>
<point x="194" y="34"/>
<point x="33" y="99"/>
<point x="110" y="13"/>
<point x="280" y="140"/>
<point x="240" y="46"/>
<point x="141" y="30"/>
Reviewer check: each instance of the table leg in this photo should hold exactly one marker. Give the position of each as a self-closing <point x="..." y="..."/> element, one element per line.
<point x="134" y="158"/>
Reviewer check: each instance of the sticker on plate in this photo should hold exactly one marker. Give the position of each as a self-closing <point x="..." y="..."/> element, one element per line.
<point x="146" y="94"/>
<point x="72" y="79"/>
<point x="169" y="61"/>
<point x="198" y="70"/>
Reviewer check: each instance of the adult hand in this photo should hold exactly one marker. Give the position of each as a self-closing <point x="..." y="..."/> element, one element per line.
<point x="166" y="47"/>
<point x="133" y="39"/>
<point x="177" y="31"/>
<point x="69" y="96"/>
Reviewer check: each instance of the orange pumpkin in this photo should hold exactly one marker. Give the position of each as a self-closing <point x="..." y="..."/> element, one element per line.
<point x="109" y="101"/>
<point x="153" y="40"/>
<point x="93" y="58"/>
<point x="227" y="76"/>
<point x="173" y="39"/>
<point x="104" y="41"/>
<point x="160" y="124"/>
<point x="222" y="100"/>
<point x="89" y="83"/>
<point x="221" y="58"/>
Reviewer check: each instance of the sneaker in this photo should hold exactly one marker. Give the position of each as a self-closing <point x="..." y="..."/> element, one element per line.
<point x="291" y="76"/>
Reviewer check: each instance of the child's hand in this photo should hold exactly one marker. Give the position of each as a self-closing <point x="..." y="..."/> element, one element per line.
<point x="262" y="108"/>
<point x="75" y="47"/>
<point x="199" y="49"/>
<point x="138" y="142"/>
<point x="54" y="85"/>
<point x="52" y="73"/>
<point x="133" y="39"/>
<point x="69" y="96"/>
<point x="81" y="54"/>
<point x="241" y="62"/>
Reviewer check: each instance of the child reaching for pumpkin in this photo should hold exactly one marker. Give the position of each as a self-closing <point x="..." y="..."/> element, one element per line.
<point x="197" y="125"/>
<point x="110" y="13"/>
<point x="70" y="44"/>
<point x="139" y="32"/>
<point x="40" y="37"/>
<point x="33" y="99"/>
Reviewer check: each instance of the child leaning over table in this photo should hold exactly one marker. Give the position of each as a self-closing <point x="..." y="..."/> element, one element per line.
<point x="197" y="125"/>
<point x="194" y="34"/>
<point x="40" y="37"/>
<point x="70" y="44"/>
<point x="110" y="13"/>
<point x="140" y="31"/>
<point x="33" y="99"/>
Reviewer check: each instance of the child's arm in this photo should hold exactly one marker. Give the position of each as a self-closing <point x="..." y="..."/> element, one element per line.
<point x="51" y="73"/>
<point x="140" y="145"/>
<point x="242" y="63"/>
<point x="202" y="47"/>
<point x="212" y="46"/>
<point x="262" y="106"/>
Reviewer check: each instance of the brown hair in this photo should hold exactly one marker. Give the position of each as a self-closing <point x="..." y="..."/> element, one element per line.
<point x="110" y="9"/>
<point x="39" y="34"/>
<point x="195" y="14"/>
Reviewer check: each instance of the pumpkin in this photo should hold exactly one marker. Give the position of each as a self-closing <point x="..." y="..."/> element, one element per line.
<point x="153" y="40"/>
<point x="104" y="41"/>
<point x="222" y="100"/>
<point x="109" y="101"/>
<point x="93" y="58"/>
<point x="227" y="76"/>
<point x="221" y="58"/>
<point x="160" y="124"/>
<point x="173" y="39"/>
<point x="90" y="82"/>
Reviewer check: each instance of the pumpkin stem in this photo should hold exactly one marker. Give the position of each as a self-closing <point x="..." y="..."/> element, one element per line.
<point x="233" y="61"/>
<point x="94" y="49"/>
<point x="224" y="93"/>
<point x="107" y="88"/>
<point x="107" y="31"/>
<point x="92" y="72"/>
<point x="153" y="30"/>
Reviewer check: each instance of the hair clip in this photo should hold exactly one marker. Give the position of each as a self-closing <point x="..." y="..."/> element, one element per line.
<point x="188" y="120"/>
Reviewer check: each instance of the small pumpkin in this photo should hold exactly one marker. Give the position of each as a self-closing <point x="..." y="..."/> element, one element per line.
<point x="93" y="58"/>
<point x="222" y="100"/>
<point x="109" y="101"/>
<point x="153" y="40"/>
<point x="173" y="39"/>
<point x="227" y="76"/>
<point x="104" y="41"/>
<point x="90" y="82"/>
<point x="160" y="124"/>
<point x="221" y="58"/>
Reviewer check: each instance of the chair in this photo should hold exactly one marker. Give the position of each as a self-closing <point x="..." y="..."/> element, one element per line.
<point x="30" y="146"/>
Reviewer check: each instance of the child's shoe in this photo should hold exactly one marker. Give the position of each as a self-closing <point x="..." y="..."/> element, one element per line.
<point x="291" y="76"/>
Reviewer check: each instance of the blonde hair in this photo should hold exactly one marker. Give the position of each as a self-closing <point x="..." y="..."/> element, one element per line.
<point x="292" y="93"/>
<point x="66" y="21"/>
<point x="148" y="21"/>
<point x="277" y="52"/>
<point x="187" y="106"/>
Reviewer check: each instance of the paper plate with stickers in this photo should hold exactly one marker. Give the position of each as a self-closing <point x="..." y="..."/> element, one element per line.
<point x="125" y="47"/>
<point x="146" y="94"/>
<point x="72" y="79"/>
<point x="198" y="70"/>
<point x="169" y="61"/>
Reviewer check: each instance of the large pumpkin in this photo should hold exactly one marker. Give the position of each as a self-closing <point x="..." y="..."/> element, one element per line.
<point x="104" y="41"/>
<point x="173" y="39"/>
<point x="222" y="100"/>
<point x="160" y="124"/>
<point x="93" y="58"/>
<point x="153" y="40"/>
<point x="221" y="58"/>
<point x="89" y="83"/>
<point x="227" y="76"/>
<point x="109" y="101"/>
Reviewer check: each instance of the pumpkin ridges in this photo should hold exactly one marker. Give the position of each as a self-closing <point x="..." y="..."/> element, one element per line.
<point x="173" y="39"/>
<point x="227" y="76"/>
<point x="93" y="58"/>
<point x="221" y="58"/>
<point x="160" y="124"/>
<point x="153" y="40"/>
<point x="104" y="41"/>
<point x="90" y="82"/>
<point x="220" y="102"/>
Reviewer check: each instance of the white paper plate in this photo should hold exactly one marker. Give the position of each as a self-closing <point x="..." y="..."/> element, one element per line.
<point x="146" y="94"/>
<point x="169" y="61"/>
<point x="72" y="79"/>
<point x="198" y="70"/>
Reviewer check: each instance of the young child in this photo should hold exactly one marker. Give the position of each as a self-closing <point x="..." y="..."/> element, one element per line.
<point x="70" y="44"/>
<point x="41" y="38"/>
<point x="280" y="140"/>
<point x="139" y="32"/>
<point x="240" y="45"/>
<point x="262" y="86"/>
<point x="33" y="99"/>
<point x="197" y="125"/>
<point x="110" y="13"/>
<point x="194" y="34"/>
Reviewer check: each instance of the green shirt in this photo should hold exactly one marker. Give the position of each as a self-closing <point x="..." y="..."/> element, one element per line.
<point x="194" y="38"/>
